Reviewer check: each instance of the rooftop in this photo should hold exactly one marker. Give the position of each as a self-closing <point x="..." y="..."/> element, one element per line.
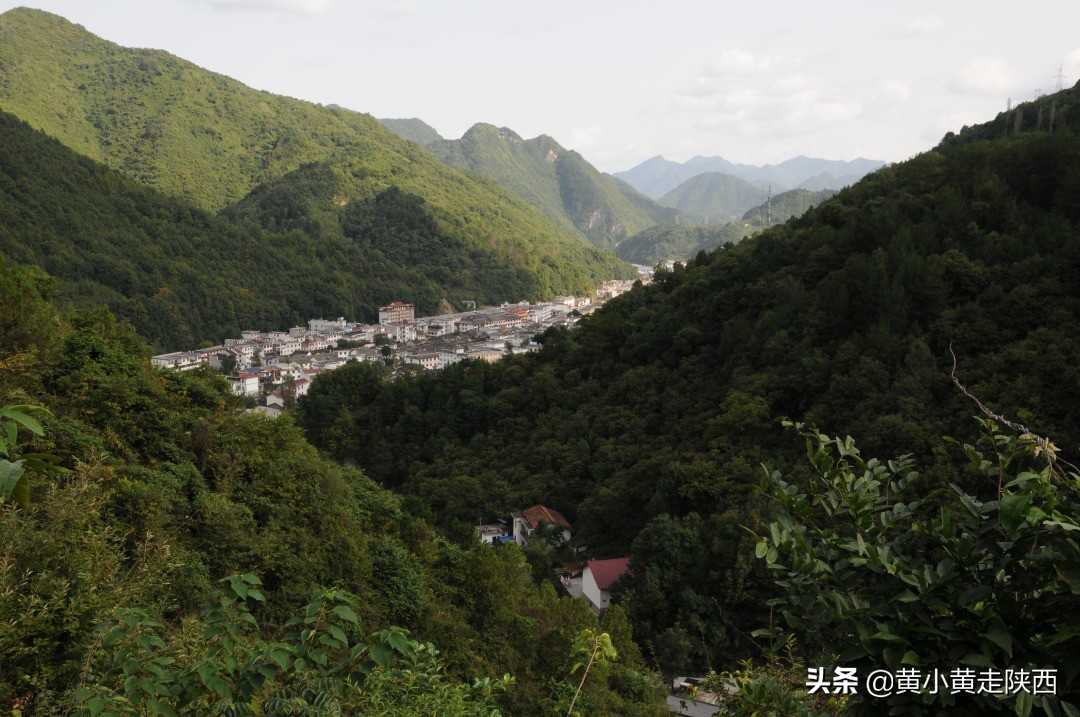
<point x="606" y="572"/>
<point x="538" y="513"/>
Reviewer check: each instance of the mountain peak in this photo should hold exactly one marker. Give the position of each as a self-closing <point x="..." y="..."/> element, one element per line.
<point x="509" y="135"/>
<point x="38" y="18"/>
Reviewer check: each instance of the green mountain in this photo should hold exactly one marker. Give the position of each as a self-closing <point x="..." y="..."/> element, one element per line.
<point x="117" y="569"/>
<point x="558" y="181"/>
<point x="679" y="242"/>
<point x="648" y="426"/>
<point x="713" y="198"/>
<point x="786" y="205"/>
<point x="657" y="176"/>
<point x="327" y="245"/>
<point x="413" y="129"/>
<point x="390" y="220"/>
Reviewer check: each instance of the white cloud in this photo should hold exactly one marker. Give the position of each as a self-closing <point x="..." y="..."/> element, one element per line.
<point x="896" y="91"/>
<point x="739" y="62"/>
<point x="763" y="96"/>
<point x="292" y="6"/>
<point x="926" y="25"/>
<point x="585" y="138"/>
<point x="1070" y="68"/>
<point x="986" y="76"/>
<point x="402" y="8"/>
<point x="951" y="122"/>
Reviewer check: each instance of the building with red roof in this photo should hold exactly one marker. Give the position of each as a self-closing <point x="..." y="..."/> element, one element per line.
<point x="528" y="520"/>
<point x="397" y="312"/>
<point x="598" y="577"/>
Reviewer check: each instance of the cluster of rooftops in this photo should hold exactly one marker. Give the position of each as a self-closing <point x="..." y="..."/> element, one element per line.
<point x="481" y="333"/>
<point x="592" y="580"/>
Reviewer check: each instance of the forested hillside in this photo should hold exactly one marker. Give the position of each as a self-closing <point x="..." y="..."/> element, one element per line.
<point x="786" y="205"/>
<point x="714" y="198"/>
<point x="190" y="133"/>
<point x="679" y="242"/>
<point x="648" y="426"/>
<point x="556" y="180"/>
<point x="183" y="277"/>
<point x="168" y="488"/>
<point x="412" y="129"/>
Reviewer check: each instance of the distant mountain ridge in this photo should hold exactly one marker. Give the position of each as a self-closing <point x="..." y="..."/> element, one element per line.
<point x="412" y="129"/>
<point x="713" y="198"/>
<point x="558" y="181"/>
<point x="657" y="176"/>
<point x="683" y="241"/>
<point x="363" y="215"/>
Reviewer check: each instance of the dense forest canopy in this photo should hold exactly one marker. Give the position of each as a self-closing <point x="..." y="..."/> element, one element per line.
<point x="294" y="249"/>
<point x="169" y="488"/>
<point x="647" y="427"/>
<point x="165" y="552"/>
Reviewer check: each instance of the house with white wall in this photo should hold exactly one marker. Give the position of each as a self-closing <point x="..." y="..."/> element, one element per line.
<point x="599" y="576"/>
<point x="528" y="520"/>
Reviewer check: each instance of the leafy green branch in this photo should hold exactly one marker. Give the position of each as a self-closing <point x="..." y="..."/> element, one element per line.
<point x="16" y="467"/>
<point x="319" y="667"/>
<point x="882" y="578"/>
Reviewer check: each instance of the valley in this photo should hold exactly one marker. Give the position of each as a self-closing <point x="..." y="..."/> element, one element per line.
<point x="698" y="437"/>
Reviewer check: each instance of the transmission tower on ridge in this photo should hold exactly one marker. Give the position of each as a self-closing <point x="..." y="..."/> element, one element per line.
<point x="1060" y="77"/>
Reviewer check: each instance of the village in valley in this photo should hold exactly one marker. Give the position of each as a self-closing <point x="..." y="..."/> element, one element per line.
<point x="277" y="367"/>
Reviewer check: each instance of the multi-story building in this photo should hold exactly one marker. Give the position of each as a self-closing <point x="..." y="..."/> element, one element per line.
<point x="396" y="313"/>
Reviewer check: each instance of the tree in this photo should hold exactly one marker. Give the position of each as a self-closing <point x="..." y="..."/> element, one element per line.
<point x="593" y="649"/>
<point x="288" y="393"/>
<point x="228" y="364"/>
<point x="16" y="467"/>
<point x="318" y="667"/>
<point x="875" y="577"/>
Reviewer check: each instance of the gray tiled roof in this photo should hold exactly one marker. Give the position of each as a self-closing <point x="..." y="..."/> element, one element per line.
<point x="691" y="708"/>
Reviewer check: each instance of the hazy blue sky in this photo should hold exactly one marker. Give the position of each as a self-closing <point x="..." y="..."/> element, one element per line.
<point x="622" y="80"/>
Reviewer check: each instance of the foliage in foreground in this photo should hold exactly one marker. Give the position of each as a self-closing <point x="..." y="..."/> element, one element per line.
<point x="876" y="576"/>
<point x="170" y="487"/>
<point x="646" y="425"/>
<point x="319" y="667"/>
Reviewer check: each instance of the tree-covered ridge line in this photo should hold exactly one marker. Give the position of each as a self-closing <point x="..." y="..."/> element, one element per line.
<point x="287" y="165"/>
<point x="657" y="176"/>
<point x="558" y="181"/>
<point x="170" y="490"/>
<point x="646" y="427"/>
<point x="713" y="198"/>
<point x="682" y="241"/>
<point x="184" y="277"/>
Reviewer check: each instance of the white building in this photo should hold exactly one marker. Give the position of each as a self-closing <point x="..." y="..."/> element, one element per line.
<point x="178" y="360"/>
<point x="428" y="361"/>
<point x="327" y="325"/>
<point x="528" y="520"/>
<point x="598" y="577"/>
<point x="246" y="384"/>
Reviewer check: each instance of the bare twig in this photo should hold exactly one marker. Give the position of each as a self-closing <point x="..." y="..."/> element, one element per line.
<point x="1044" y="444"/>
